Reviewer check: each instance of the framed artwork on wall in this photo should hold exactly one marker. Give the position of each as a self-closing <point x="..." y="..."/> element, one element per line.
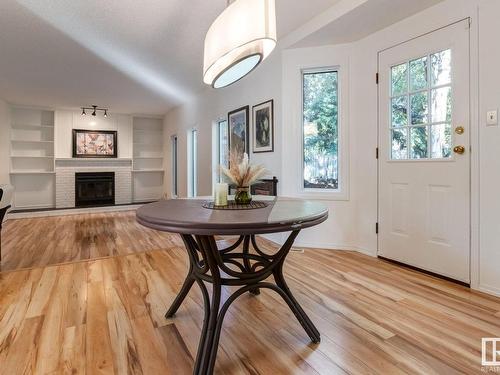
<point x="95" y="143"/>
<point x="238" y="129"/>
<point x="263" y="127"/>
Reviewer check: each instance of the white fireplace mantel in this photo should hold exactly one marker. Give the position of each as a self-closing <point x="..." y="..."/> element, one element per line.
<point x="93" y="162"/>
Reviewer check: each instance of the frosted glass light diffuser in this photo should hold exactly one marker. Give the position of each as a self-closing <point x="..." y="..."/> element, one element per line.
<point x="239" y="39"/>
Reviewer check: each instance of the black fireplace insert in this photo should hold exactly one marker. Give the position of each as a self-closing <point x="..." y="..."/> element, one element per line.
<point x="94" y="189"/>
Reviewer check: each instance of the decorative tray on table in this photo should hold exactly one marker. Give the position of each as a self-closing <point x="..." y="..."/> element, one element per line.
<point x="232" y="205"/>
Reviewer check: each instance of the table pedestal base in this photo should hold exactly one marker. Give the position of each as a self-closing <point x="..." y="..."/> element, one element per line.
<point x="244" y="269"/>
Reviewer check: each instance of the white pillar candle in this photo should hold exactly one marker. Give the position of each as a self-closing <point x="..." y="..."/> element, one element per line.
<point x="221" y="194"/>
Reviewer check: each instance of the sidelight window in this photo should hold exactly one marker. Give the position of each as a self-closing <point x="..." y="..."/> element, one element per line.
<point x="174" y="166"/>
<point x="320" y="127"/>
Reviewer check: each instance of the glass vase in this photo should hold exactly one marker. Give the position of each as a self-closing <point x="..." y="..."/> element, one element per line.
<point x="243" y="195"/>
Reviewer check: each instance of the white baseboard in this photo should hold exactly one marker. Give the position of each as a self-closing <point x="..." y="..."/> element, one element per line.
<point x="71" y="211"/>
<point x="325" y="246"/>
<point x="488" y="290"/>
<point x="33" y="207"/>
<point x="371" y="253"/>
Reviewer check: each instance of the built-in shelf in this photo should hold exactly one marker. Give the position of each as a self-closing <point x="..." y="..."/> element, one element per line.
<point x="32" y="156"/>
<point x="29" y="141"/>
<point x="32" y="172"/>
<point x="31" y="126"/>
<point x="148" y="171"/>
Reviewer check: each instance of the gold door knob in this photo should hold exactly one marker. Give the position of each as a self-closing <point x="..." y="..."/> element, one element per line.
<point x="459" y="150"/>
<point x="459" y="130"/>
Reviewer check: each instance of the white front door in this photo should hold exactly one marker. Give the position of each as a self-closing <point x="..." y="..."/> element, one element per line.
<point x="424" y="184"/>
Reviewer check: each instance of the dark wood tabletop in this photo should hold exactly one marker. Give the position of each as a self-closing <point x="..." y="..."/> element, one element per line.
<point x="188" y="216"/>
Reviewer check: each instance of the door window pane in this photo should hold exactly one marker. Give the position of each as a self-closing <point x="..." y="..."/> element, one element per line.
<point x="400" y="111"/>
<point x="320" y="130"/>
<point x="424" y="132"/>
<point x="419" y="141"/>
<point x="441" y="104"/>
<point x="399" y="79"/>
<point x="419" y="108"/>
<point x="441" y="68"/>
<point x="400" y="144"/>
<point x="418" y="74"/>
<point x="441" y="141"/>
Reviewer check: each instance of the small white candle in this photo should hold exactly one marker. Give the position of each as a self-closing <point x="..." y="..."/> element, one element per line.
<point x="221" y="194"/>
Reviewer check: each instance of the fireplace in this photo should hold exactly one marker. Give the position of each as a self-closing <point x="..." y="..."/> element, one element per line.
<point x="94" y="189"/>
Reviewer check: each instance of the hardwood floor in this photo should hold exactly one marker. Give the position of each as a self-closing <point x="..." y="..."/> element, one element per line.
<point x="43" y="241"/>
<point x="105" y="316"/>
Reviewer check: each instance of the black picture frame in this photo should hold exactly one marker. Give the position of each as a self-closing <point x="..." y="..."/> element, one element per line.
<point x="114" y="154"/>
<point x="269" y="105"/>
<point x="245" y="111"/>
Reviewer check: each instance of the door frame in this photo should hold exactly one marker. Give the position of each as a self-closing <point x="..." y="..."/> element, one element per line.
<point x="474" y="121"/>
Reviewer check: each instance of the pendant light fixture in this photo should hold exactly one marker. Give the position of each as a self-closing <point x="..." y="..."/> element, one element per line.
<point x="238" y="41"/>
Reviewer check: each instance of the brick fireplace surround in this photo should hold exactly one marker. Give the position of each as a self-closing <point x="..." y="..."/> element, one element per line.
<point x="65" y="178"/>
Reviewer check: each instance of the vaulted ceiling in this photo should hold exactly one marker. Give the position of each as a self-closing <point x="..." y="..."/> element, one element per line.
<point x="131" y="56"/>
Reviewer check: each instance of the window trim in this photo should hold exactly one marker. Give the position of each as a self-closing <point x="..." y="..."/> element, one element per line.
<point x="216" y="150"/>
<point x="192" y="163"/>
<point x="342" y="192"/>
<point x="218" y="124"/>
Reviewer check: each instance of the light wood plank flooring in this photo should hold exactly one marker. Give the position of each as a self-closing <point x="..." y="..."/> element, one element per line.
<point x="105" y="316"/>
<point x="43" y="241"/>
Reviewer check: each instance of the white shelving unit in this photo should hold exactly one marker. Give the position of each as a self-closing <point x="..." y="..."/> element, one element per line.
<point x="148" y="156"/>
<point x="32" y="158"/>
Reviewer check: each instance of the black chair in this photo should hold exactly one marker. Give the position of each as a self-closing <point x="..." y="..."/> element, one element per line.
<point x="5" y="200"/>
<point x="263" y="187"/>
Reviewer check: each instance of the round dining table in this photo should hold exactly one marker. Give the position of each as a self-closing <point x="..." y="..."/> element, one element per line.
<point x="243" y="264"/>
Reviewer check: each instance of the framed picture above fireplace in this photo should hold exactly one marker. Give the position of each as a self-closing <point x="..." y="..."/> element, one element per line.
<point x="95" y="143"/>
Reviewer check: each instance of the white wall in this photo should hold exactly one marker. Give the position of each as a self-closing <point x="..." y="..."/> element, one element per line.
<point x="211" y="105"/>
<point x="4" y="142"/>
<point x="66" y="121"/>
<point x="489" y="99"/>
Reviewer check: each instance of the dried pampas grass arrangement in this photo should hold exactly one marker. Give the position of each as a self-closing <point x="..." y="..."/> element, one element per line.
<point x="240" y="171"/>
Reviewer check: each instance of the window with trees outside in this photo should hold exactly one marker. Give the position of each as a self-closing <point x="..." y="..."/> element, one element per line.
<point x="421" y="108"/>
<point x="320" y="130"/>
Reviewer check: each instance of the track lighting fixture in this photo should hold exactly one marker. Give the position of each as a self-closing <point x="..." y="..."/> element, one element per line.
<point x="94" y="109"/>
